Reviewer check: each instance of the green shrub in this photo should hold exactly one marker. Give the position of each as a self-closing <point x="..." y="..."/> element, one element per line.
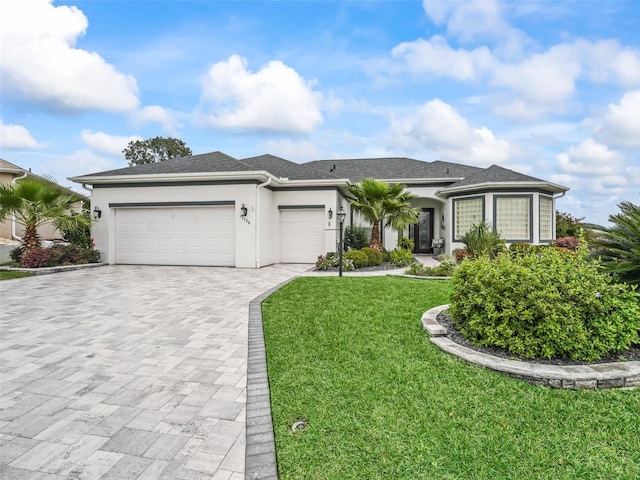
<point x="521" y="248"/>
<point x="481" y="240"/>
<point x="374" y="256"/>
<point x="37" y="257"/>
<point x="445" y="269"/>
<point x="553" y="304"/>
<point x="386" y="255"/>
<point x="15" y="254"/>
<point x="355" y="237"/>
<point x="332" y="260"/>
<point x="406" y="244"/>
<point x="358" y="257"/>
<point x="401" y="258"/>
<point x="80" y="236"/>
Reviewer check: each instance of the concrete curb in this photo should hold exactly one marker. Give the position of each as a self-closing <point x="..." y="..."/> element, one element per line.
<point x="260" y="456"/>
<point x="48" y="270"/>
<point x="575" y="377"/>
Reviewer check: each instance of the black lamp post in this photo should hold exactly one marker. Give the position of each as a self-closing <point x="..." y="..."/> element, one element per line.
<point x="341" y="216"/>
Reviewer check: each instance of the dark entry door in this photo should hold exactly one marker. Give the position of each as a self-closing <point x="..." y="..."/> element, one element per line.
<point x="423" y="231"/>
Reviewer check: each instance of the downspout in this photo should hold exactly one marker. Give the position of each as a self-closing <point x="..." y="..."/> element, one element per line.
<point x="553" y="213"/>
<point x="84" y="185"/>
<point x="13" y="216"/>
<point x="264" y="184"/>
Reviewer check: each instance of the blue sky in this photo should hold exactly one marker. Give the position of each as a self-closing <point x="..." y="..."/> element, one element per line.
<point x="551" y="89"/>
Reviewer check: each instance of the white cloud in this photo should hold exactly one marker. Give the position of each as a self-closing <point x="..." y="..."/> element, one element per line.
<point x="621" y="124"/>
<point x="473" y="19"/>
<point x="15" y="136"/>
<point x="438" y="126"/>
<point x="41" y="64"/>
<point x="590" y="159"/>
<point x="544" y="79"/>
<point x="166" y="117"/>
<point x="103" y="142"/>
<point x="275" y="98"/>
<point x="608" y="62"/>
<point x="291" y="150"/>
<point x="80" y="162"/>
<point x="437" y="57"/>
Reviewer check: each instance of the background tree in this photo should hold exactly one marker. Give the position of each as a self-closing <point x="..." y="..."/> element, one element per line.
<point x="379" y="202"/>
<point x="618" y="246"/>
<point x="36" y="201"/>
<point x="157" y="149"/>
<point x="567" y="225"/>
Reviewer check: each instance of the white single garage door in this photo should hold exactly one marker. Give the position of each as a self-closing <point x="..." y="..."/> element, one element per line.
<point x="301" y="235"/>
<point x="176" y="236"/>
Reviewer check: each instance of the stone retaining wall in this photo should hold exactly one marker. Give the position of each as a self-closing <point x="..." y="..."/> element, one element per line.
<point x="599" y="375"/>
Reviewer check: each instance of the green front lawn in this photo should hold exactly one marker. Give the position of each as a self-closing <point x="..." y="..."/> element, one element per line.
<point x="6" y="275"/>
<point x="349" y="356"/>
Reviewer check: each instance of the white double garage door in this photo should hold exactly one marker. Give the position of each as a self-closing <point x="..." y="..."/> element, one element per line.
<point x="206" y="235"/>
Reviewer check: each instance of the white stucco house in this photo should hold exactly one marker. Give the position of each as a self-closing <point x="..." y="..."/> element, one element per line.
<point x="212" y="209"/>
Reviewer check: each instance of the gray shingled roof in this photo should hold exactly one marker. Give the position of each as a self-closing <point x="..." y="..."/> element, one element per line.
<point x="283" y="168"/>
<point x="494" y="174"/>
<point x="354" y="169"/>
<point x="394" y="167"/>
<point x="206" y="162"/>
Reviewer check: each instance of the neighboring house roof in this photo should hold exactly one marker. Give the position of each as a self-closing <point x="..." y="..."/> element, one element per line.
<point x="455" y="177"/>
<point x="8" y="167"/>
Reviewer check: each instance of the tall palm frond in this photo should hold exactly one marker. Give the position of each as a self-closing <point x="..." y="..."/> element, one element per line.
<point x="36" y="201"/>
<point x="618" y="246"/>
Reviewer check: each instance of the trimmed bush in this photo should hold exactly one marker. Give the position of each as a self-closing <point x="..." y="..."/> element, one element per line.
<point x="553" y="304"/>
<point x="401" y="258"/>
<point x="358" y="257"/>
<point x="521" y="248"/>
<point x="374" y="256"/>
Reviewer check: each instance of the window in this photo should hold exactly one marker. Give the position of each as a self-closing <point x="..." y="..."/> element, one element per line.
<point x="546" y="218"/>
<point x="512" y="217"/>
<point x="466" y="213"/>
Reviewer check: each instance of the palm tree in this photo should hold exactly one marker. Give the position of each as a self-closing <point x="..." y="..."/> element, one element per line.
<point x="619" y="246"/>
<point x="379" y="202"/>
<point x="36" y="201"/>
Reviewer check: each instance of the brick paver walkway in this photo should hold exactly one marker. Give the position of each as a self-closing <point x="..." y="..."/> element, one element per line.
<point x="127" y="372"/>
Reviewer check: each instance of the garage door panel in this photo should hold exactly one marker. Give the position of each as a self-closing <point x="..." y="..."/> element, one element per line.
<point x="301" y="235"/>
<point x="176" y="236"/>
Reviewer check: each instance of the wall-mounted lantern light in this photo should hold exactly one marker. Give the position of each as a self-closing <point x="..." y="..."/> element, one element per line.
<point x="330" y="213"/>
<point x="243" y="211"/>
<point x="97" y="213"/>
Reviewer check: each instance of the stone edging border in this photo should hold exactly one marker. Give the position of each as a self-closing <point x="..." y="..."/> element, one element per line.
<point x="575" y="377"/>
<point x="47" y="270"/>
<point x="260" y="454"/>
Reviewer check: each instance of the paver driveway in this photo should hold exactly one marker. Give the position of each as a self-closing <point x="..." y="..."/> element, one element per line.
<point x="127" y="372"/>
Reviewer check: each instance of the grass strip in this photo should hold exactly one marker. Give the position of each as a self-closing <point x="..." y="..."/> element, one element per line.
<point x="350" y="357"/>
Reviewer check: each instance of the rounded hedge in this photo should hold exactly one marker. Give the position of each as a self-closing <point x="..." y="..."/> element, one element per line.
<point x="552" y="305"/>
<point x="374" y="256"/>
<point x="358" y="257"/>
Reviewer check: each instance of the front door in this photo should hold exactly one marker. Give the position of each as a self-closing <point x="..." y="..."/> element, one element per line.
<point x="423" y="232"/>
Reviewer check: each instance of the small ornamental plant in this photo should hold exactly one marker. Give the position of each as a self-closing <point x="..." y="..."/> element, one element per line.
<point x="37" y="257"/>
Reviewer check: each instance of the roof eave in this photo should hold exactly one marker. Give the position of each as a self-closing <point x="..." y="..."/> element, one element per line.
<point x="555" y="188"/>
<point x="261" y="175"/>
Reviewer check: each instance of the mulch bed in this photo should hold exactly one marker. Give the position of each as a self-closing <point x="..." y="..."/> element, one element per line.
<point x="633" y="354"/>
